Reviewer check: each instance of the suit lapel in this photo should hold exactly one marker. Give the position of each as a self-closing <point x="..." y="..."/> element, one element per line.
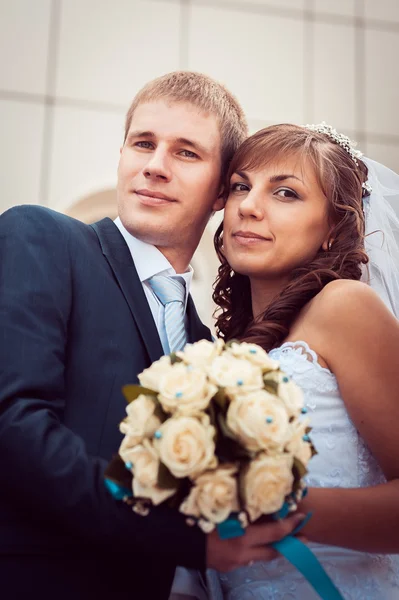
<point x="196" y="329"/>
<point x="120" y="260"/>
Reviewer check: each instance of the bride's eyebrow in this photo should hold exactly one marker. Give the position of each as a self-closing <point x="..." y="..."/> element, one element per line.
<point x="241" y="174"/>
<point x="282" y="177"/>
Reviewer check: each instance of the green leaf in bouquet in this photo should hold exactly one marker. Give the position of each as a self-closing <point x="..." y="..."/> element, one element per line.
<point x="271" y="382"/>
<point x="221" y="399"/>
<point x="133" y="391"/>
<point x="224" y="428"/>
<point x="159" y="412"/>
<point x="299" y="471"/>
<point x="211" y="410"/>
<point x="174" y="358"/>
<point x="117" y="472"/>
<point x="273" y="376"/>
<point x="231" y="342"/>
<point x="271" y="386"/>
<point x="166" y="480"/>
<point x="312" y="448"/>
<point x="299" y="468"/>
<point x="228" y="449"/>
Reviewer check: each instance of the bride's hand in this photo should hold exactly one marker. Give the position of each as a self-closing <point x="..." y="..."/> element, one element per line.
<point x="253" y="546"/>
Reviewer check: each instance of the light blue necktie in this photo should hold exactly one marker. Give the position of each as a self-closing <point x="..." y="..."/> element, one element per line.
<point x="171" y="292"/>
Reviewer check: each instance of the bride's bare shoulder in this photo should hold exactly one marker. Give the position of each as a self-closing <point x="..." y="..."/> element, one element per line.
<point x="347" y="303"/>
<point x="342" y="291"/>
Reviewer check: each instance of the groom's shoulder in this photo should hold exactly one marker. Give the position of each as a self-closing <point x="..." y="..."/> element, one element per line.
<point x="26" y="215"/>
<point x="39" y="222"/>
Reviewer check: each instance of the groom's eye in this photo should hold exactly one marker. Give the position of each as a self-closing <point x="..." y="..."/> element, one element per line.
<point x="144" y="144"/>
<point x="189" y="154"/>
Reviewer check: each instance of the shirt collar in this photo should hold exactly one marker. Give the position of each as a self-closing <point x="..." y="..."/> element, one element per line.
<point x="150" y="261"/>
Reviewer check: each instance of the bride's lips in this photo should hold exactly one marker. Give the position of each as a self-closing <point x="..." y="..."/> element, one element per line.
<point x="248" y="238"/>
<point x="153" y="198"/>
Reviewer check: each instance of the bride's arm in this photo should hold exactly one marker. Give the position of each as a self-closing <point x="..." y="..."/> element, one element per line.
<point x="359" y="340"/>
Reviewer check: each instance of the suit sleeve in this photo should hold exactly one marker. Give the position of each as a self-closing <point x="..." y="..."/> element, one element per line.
<point x="46" y="463"/>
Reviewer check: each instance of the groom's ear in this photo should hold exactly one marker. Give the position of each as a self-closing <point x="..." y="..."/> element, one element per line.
<point x="220" y="201"/>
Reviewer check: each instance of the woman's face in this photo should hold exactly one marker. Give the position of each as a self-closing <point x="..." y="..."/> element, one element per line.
<point x="276" y="219"/>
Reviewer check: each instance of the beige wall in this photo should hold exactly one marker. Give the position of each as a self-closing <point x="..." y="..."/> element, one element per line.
<point x="69" y="69"/>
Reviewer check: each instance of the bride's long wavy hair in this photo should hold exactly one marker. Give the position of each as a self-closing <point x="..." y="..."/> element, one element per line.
<point x="341" y="182"/>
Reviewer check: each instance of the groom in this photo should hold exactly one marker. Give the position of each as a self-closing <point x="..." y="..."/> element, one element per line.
<point x="80" y="316"/>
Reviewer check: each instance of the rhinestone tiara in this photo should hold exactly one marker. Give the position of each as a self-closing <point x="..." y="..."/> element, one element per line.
<point x="346" y="143"/>
<point x="339" y="138"/>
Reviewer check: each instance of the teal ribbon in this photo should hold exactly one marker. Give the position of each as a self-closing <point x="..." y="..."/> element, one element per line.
<point x="117" y="491"/>
<point x="230" y="528"/>
<point x="295" y="551"/>
<point x="299" y="555"/>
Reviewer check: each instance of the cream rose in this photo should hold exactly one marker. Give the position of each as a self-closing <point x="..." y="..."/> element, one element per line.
<point x="259" y="420"/>
<point x="299" y="444"/>
<point x="266" y="483"/>
<point x="145" y="465"/>
<point x="185" y="390"/>
<point x="186" y="445"/>
<point x="201" y="353"/>
<point x="255" y="354"/>
<point x="214" y="495"/>
<point x="140" y="421"/>
<point x="291" y="394"/>
<point x="151" y="377"/>
<point x="237" y="375"/>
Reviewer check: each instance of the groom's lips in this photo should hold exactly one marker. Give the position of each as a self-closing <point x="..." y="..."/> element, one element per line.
<point x="153" y="198"/>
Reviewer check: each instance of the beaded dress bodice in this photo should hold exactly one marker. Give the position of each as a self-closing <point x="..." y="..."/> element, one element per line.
<point x="343" y="460"/>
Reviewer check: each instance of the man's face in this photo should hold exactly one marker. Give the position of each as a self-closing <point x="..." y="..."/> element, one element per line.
<point x="169" y="175"/>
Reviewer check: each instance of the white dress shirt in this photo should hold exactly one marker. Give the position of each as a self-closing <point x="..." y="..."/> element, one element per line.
<point x="149" y="261"/>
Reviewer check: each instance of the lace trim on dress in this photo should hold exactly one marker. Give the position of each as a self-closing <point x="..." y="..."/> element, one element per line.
<point x="300" y="362"/>
<point x="303" y="348"/>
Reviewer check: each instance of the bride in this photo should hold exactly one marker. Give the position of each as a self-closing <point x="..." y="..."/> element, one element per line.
<point x="292" y="248"/>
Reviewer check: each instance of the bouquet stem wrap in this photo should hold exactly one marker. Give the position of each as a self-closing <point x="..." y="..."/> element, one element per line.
<point x="296" y="552"/>
<point x="303" y="559"/>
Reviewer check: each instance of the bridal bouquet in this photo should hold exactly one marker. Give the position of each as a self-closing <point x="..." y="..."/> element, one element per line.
<point x="216" y="431"/>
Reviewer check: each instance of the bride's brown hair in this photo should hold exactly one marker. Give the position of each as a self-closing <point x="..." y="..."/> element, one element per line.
<point x="341" y="182"/>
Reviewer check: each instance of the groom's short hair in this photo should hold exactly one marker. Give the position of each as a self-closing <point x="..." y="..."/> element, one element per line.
<point x="206" y="94"/>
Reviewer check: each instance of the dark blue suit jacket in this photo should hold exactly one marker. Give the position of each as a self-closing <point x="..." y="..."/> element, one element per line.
<point x="75" y="327"/>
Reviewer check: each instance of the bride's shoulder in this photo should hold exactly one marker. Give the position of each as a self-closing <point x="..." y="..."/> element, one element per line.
<point x="343" y="291"/>
<point x="347" y="303"/>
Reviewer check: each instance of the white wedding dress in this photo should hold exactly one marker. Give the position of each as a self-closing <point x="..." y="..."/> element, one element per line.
<point x="343" y="460"/>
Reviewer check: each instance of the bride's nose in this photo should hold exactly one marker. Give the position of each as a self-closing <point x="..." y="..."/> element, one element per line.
<point x="251" y="207"/>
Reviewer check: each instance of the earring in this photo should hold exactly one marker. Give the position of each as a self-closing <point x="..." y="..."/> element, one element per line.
<point x="330" y="243"/>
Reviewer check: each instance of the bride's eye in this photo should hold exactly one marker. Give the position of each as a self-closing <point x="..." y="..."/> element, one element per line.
<point x="287" y="193"/>
<point x="239" y="187"/>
